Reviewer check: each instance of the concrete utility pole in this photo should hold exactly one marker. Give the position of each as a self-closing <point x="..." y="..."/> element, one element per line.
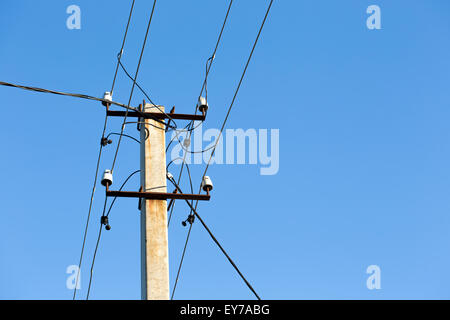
<point x="154" y="237"/>
<point x="153" y="195"/>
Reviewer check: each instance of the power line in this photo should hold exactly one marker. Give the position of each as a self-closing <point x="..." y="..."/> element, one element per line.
<point x="215" y="240"/>
<point x="100" y="155"/>
<point x="225" y="253"/>
<point x="96" y="249"/>
<point x="212" y="154"/>
<point x="147" y="96"/>
<point x="90" y="208"/>
<point x="191" y="128"/>
<point x="181" y="261"/>
<point x="100" y="231"/>
<point x="212" y="58"/>
<point x="75" y="95"/>
<point x="120" y="189"/>
<point x="101" y="227"/>
<point x="134" y="82"/>
<point x="215" y="146"/>
<point x="125" y="135"/>
<point x="190" y="182"/>
<point x="121" y="49"/>
<point x="238" y="87"/>
<point x="122" y="186"/>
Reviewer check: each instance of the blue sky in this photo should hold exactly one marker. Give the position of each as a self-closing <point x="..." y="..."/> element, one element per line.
<point x="364" y="147"/>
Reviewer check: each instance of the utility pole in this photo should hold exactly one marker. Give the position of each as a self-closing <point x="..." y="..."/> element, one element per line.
<point x="153" y="195"/>
<point x="154" y="237"/>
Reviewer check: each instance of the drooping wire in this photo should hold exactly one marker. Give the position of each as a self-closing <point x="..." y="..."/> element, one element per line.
<point x="123" y="185"/>
<point x="190" y="182"/>
<point x="215" y="240"/>
<point x="192" y="126"/>
<point x="148" y="97"/>
<point x="213" y="56"/>
<point x="125" y="135"/>
<point x="101" y="227"/>
<point x="100" y="155"/>
<point x="121" y="49"/>
<point x="120" y="189"/>
<point x="90" y="209"/>
<point x="75" y="95"/>
<point x="95" y="251"/>
<point x="176" y="136"/>
<point x="134" y="82"/>
<point x="217" y="141"/>
<point x="181" y="260"/>
<point x="238" y="87"/>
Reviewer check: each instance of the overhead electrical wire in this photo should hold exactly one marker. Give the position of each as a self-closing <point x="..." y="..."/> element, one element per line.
<point x="123" y="185"/>
<point x="90" y="209"/>
<point x="218" y="139"/>
<point x="154" y="105"/>
<point x="75" y="95"/>
<point x="214" y="239"/>
<point x="190" y="182"/>
<point x="238" y="87"/>
<point x="123" y="125"/>
<point x="134" y="83"/>
<point x="191" y="128"/>
<point x="101" y="226"/>
<point x="181" y="261"/>
<point x="100" y="155"/>
<point x="121" y="49"/>
<point x="120" y="189"/>
<point x="95" y="251"/>
<point x="125" y="135"/>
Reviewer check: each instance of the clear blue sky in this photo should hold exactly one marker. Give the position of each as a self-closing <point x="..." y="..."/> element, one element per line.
<point x="364" y="147"/>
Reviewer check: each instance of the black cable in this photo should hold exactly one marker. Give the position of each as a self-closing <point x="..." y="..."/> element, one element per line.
<point x="98" y="162"/>
<point x="147" y="131"/>
<point x="125" y="135"/>
<point x="90" y="208"/>
<point x="216" y="241"/>
<point x="134" y="82"/>
<point x="238" y="87"/>
<point x="190" y="182"/>
<point x="75" y="95"/>
<point x="212" y="153"/>
<point x="121" y="187"/>
<point x="176" y="136"/>
<point x="216" y="47"/>
<point x="191" y="128"/>
<point x="181" y="261"/>
<point x="137" y="84"/>
<point x="121" y="49"/>
<point x="96" y="249"/>
<point x="212" y="58"/>
<point x="101" y="227"/>
<point x="188" y="171"/>
<point x="147" y="96"/>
